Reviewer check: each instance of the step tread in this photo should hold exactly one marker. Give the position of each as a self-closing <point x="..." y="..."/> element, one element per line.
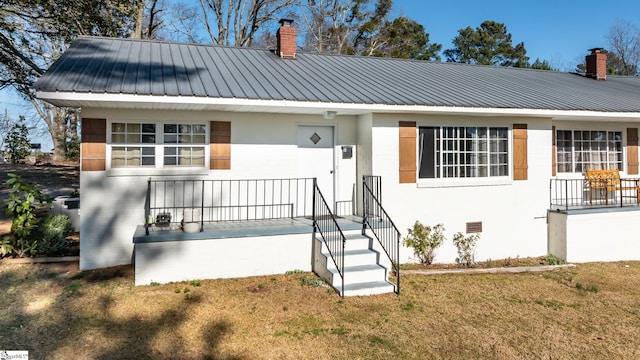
<point x="354" y="252"/>
<point x="367" y="285"/>
<point x="359" y="252"/>
<point x="357" y="236"/>
<point x="367" y="267"/>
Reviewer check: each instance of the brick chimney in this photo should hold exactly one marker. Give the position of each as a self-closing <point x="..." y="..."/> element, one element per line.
<point x="286" y="37"/>
<point x="597" y="64"/>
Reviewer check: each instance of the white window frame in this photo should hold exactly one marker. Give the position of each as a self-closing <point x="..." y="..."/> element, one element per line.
<point x="578" y="167"/>
<point x="158" y="146"/>
<point x="183" y="133"/>
<point x="459" y="163"/>
<point x="127" y="145"/>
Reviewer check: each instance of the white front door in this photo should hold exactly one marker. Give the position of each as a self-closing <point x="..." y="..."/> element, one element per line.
<point x="316" y="158"/>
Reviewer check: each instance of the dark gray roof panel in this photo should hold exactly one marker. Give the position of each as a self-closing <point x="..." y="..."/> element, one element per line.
<point x="125" y="66"/>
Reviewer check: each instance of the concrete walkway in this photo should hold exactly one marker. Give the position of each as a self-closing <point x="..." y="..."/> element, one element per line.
<point x="497" y="270"/>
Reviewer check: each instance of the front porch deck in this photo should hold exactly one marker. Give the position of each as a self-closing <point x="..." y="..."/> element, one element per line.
<point x="227" y="249"/>
<point x="240" y="229"/>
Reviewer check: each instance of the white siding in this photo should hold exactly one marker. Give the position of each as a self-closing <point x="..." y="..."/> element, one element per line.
<point x="164" y="262"/>
<point x="595" y="235"/>
<point x="512" y="212"/>
<point x="263" y="146"/>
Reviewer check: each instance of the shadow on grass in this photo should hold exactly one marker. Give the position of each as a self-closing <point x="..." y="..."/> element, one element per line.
<point x="50" y="316"/>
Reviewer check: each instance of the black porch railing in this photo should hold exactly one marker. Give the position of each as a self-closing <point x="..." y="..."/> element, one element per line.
<point x="380" y="224"/>
<point x="325" y="224"/>
<point x="571" y="194"/>
<point x="208" y="201"/>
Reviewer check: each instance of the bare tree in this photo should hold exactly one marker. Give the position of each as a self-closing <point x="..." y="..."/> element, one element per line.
<point x="624" y="43"/>
<point x="34" y="33"/>
<point x="236" y="22"/>
<point x="149" y="19"/>
<point x="184" y="24"/>
<point x="341" y="26"/>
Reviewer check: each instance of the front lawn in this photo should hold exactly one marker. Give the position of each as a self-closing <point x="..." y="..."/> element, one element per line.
<point x="589" y="311"/>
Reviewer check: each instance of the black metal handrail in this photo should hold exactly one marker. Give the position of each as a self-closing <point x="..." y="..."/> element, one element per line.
<point x="380" y="224"/>
<point x="324" y="223"/>
<point x="572" y="194"/>
<point x="227" y="200"/>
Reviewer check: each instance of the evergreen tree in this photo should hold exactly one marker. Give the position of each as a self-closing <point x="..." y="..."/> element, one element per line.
<point x="403" y="38"/>
<point x="18" y="144"/>
<point x="488" y="44"/>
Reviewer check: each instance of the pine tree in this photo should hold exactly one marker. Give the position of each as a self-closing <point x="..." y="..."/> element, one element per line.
<point x="18" y="144"/>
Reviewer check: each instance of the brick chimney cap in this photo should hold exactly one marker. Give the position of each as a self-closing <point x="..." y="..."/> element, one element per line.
<point x="596" y="50"/>
<point x="285" y="22"/>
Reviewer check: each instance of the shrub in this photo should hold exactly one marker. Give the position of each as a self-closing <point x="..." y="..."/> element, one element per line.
<point x="51" y="234"/>
<point x="25" y="199"/>
<point x="466" y="246"/>
<point x="551" y="259"/>
<point x="424" y="240"/>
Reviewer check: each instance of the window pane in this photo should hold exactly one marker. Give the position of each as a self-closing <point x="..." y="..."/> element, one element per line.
<point x="199" y="129"/>
<point x="117" y="151"/>
<point x="170" y="151"/>
<point x="169" y="160"/>
<point x="185" y="129"/>
<point x="118" y="138"/>
<point x="133" y="128"/>
<point x="118" y="127"/>
<point x="146" y="151"/>
<point x="133" y="138"/>
<point x="198" y="139"/>
<point x="184" y="139"/>
<point x="197" y="161"/>
<point x="170" y="128"/>
<point x="171" y="139"/>
<point x="148" y="161"/>
<point x="149" y="128"/>
<point x="427" y="153"/>
<point x="117" y="161"/>
<point x="148" y="139"/>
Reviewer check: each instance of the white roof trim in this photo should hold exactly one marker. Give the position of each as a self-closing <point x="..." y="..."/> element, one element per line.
<point x="283" y="106"/>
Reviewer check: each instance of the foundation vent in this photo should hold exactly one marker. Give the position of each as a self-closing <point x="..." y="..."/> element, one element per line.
<point x="474" y="227"/>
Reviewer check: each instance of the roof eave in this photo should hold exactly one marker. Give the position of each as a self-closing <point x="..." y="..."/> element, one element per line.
<point x="136" y="101"/>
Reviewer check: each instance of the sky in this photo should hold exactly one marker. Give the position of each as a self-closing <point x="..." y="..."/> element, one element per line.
<point x="559" y="31"/>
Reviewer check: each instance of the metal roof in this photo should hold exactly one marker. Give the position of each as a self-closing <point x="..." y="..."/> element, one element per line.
<point x="124" y="66"/>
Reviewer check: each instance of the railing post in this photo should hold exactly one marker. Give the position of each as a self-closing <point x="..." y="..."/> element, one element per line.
<point x="398" y="263"/>
<point x="313" y="208"/>
<point x="364" y="206"/>
<point x="566" y="193"/>
<point x="344" y="242"/>
<point x="202" y="208"/>
<point x="147" y="207"/>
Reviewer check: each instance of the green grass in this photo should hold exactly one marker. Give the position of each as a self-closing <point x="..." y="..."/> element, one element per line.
<point x="590" y="311"/>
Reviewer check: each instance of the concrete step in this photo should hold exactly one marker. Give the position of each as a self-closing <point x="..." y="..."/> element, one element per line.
<point x="356" y="274"/>
<point x="360" y="257"/>
<point x="362" y="273"/>
<point x="368" y="288"/>
<point x="353" y="241"/>
<point x="355" y="257"/>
